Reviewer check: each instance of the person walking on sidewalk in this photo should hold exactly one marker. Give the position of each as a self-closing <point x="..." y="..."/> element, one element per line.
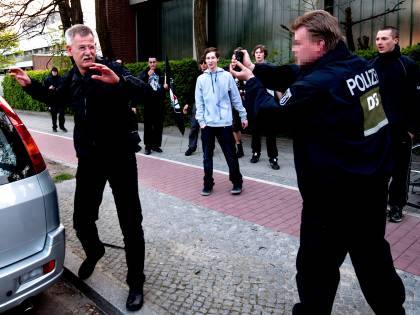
<point x="195" y="126"/>
<point x="154" y="107"/>
<point x="260" y="53"/>
<point x="215" y="94"/>
<point x="342" y="152"/>
<point x="99" y="93"/>
<point x="399" y="80"/>
<point x="52" y="82"/>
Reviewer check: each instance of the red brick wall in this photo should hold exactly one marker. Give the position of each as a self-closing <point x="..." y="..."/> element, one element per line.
<point x="42" y="62"/>
<point x="123" y="29"/>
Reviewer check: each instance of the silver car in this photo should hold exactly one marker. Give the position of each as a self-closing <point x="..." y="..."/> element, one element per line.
<point x="32" y="240"/>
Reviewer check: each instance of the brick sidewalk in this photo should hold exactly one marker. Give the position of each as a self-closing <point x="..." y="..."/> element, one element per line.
<point x="271" y="205"/>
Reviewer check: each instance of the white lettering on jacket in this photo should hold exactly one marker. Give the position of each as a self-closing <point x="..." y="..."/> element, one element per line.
<point x="363" y="81"/>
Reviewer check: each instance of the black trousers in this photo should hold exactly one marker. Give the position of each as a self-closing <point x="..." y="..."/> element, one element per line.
<point x="153" y="125"/>
<point x="57" y="111"/>
<point x="121" y="171"/>
<point x="193" y="136"/>
<point x="398" y="186"/>
<point x="226" y="141"/>
<point x="349" y="218"/>
<point x="270" y="139"/>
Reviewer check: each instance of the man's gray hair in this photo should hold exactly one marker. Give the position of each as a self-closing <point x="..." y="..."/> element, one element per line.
<point x="77" y="29"/>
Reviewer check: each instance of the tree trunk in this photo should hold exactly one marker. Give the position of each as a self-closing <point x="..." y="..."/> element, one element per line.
<point x="102" y="29"/>
<point x="200" y="31"/>
<point x="348" y="26"/>
<point x="64" y="10"/>
<point x="76" y="12"/>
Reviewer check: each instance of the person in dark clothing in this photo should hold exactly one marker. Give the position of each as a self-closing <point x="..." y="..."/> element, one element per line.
<point x="99" y="92"/>
<point x="195" y="126"/>
<point x="56" y="107"/>
<point x="154" y="107"/>
<point x="341" y="143"/>
<point x="260" y="53"/>
<point x="399" y="81"/>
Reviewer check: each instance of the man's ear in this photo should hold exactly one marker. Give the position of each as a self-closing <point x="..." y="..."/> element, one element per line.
<point x="69" y="52"/>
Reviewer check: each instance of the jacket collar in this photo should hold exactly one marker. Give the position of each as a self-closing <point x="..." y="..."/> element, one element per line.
<point x="394" y="54"/>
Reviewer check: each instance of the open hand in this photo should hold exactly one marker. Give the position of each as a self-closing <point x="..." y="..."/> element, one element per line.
<point x="106" y="76"/>
<point x="20" y="76"/>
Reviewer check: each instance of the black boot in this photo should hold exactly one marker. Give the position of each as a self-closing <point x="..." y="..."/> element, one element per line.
<point x="239" y="150"/>
<point x="88" y="265"/>
<point x="135" y="300"/>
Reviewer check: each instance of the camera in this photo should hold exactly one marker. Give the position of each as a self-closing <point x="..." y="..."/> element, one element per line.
<point x="239" y="55"/>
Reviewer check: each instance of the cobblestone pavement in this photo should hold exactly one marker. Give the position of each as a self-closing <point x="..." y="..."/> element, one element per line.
<point x="199" y="261"/>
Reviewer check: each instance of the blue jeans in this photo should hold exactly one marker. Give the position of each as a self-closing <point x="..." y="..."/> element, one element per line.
<point x="226" y="141"/>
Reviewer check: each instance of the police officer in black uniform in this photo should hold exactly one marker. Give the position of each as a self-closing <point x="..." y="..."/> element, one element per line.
<point x="99" y="92"/>
<point x="399" y="80"/>
<point x="342" y="157"/>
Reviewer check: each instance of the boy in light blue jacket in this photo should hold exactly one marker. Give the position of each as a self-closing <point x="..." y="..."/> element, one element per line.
<point x="215" y="94"/>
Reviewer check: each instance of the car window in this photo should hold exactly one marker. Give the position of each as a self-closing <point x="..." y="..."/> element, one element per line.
<point x="14" y="160"/>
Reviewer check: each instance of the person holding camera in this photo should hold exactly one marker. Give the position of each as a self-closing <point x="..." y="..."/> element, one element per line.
<point x="260" y="53"/>
<point x="236" y="121"/>
<point x="342" y="150"/>
<point x="154" y="106"/>
<point x="215" y="95"/>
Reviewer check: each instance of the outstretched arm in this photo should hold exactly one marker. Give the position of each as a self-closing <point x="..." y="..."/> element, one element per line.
<point x="20" y="76"/>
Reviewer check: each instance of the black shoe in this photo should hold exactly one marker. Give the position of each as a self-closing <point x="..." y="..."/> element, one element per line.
<point x="134" y="300"/>
<point x="239" y="150"/>
<point x="255" y="157"/>
<point x="189" y="152"/>
<point x="236" y="190"/>
<point x="159" y="150"/>
<point x="63" y="129"/>
<point x="88" y="265"/>
<point x="54" y="129"/>
<point x="273" y="163"/>
<point x="147" y="151"/>
<point x="206" y="191"/>
<point x="395" y="214"/>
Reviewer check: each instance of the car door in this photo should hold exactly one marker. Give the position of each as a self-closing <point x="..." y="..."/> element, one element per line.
<point x="22" y="210"/>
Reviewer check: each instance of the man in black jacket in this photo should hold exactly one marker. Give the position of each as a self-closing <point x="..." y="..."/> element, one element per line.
<point x="341" y="145"/>
<point x="399" y="80"/>
<point x="99" y="94"/>
<point x="52" y="82"/>
<point x="154" y="107"/>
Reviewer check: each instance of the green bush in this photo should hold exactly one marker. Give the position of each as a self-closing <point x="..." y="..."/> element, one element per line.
<point x="183" y="72"/>
<point x="17" y="98"/>
<point x="413" y="52"/>
<point x="366" y="53"/>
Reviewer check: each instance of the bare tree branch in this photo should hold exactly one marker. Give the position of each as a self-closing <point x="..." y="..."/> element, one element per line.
<point x="395" y="8"/>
